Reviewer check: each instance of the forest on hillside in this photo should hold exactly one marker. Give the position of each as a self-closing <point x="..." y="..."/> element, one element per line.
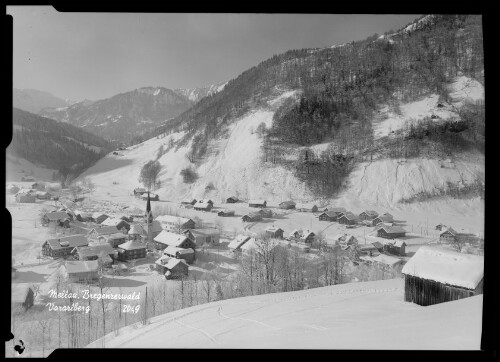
<point x="55" y="145"/>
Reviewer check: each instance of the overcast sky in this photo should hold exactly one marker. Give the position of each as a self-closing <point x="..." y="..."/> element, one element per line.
<point x="98" y="55"/>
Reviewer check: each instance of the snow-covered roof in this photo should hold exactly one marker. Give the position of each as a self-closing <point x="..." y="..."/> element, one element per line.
<point x="105" y="230"/>
<point x="450" y="230"/>
<point x="137" y="229"/>
<point x="173" y="263"/>
<point x="112" y="221"/>
<point x="392" y="229"/>
<point x="273" y="229"/>
<point x="72" y="241"/>
<point x="56" y="215"/>
<point x="446" y="266"/>
<point x="132" y="245"/>
<point x="350" y="216"/>
<point x="238" y="242"/>
<point x="249" y="244"/>
<point x="169" y="238"/>
<point x="172" y="219"/>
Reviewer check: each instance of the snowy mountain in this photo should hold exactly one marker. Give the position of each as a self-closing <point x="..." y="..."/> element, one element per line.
<point x="195" y="94"/>
<point x="124" y="116"/>
<point x="32" y="100"/>
<point x="367" y="315"/>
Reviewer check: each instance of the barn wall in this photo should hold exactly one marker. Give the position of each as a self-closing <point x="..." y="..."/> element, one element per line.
<point x="427" y="292"/>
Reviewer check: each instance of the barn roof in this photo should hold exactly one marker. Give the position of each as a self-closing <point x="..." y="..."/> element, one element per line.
<point x="350" y="216"/>
<point x="329" y="213"/>
<point x="237" y="242"/>
<point x="79" y="266"/>
<point x="72" y="241"/>
<point x="112" y="221"/>
<point x="173" y="262"/>
<point x="446" y="266"/>
<point x="56" y="215"/>
<point x="249" y="244"/>
<point x="172" y="219"/>
<point x="377" y="244"/>
<point x="168" y="238"/>
<point x="94" y="250"/>
<point x="392" y="229"/>
<point x="97" y="215"/>
<point x="132" y="245"/>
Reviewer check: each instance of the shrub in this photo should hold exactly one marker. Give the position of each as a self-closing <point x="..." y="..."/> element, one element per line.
<point x="189" y="175"/>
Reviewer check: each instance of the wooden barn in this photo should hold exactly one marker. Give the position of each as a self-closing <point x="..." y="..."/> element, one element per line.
<point x="23" y="296"/>
<point x="119" y="224"/>
<point x="61" y="247"/>
<point x="448" y="235"/>
<point x="236" y="244"/>
<point x="348" y="219"/>
<point x="381" y="219"/>
<point x="328" y="216"/>
<point x="232" y="200"/>
<point x="176" y="268"/>
<point x="175" y="224"/>
<point x="337" y="210"/>
<point x="252" y="217"/>
<point x="274" y="232"/>
<point x="131" y="250"/>
<point x="391" y="232"/>
<point x="307" y="207"/>
<point x="25" y="197"/>
<point x="187" y="254"/>
<point x="436" y="275"/>
<point x="396" y="247"/>
<point x="82" y="271"/>
<point x="99" y="217"/>
<point x="54" y="217"/>
<point x="307" y="237"/>
<point x="226" y="213"/>
<point x="203" y="205"/>
<point x="210" y="236"/>
<point x="266" y="213"/>
<point x="287" y="205"/>
<point x="345" y="240"/>
<point x="257" y="203"/>
<point x="368" y="215"/>
<point x="189" y="202"/>
<point x="165" y="238"/>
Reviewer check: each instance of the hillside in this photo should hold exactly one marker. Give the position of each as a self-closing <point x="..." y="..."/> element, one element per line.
<point x="367" y="315"/>
<point x="124" y="116"/>
<point x="32" y="100"/>
<point x="52" y="145"/>
<point x="196" y="94"/>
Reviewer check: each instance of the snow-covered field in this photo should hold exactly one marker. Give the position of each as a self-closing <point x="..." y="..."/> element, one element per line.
<point x="367" y="315"/>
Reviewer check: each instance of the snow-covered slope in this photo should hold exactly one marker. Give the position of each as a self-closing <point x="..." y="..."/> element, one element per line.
<point x="368" y="315"/>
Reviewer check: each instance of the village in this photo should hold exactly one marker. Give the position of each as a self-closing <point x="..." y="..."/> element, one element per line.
<point x="91" y="240"/>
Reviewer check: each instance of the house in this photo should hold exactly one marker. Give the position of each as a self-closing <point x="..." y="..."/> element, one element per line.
<point x="236" y="244"/>
<point x="187" y="254"/>
<point x="257" y="203"/>
<point x="119" y="224"/>
<point x="139" y="191"/>
<point x="94" y="252"/>
<point x="232" y="200"/>
<point x="441" y="227"/>
<point x="28" y="179"/>
<point x="25" y="197"/>
<point x="161" y="263"/>
<point x="348" y="219"/>
<point x="98" y="233"/>
<point x="175" y="223"/>
<point x="82" y="270"/>
<point x="389" y="261"/>
<point x="165" y="238"/>
<point x="132" y="249"/>
<point x="307" y="237"/>
<point x="99" y="217"/>
<point x="43" y="195"/>
<point x="368" y="215"/>
<point x="137" y="232"/>
<point x="82" y="215"/>
<point x="345" y="240"/>
<point x="252" y="217"/>
<point x="152" y="197"/>
<point x="295" y="234"/>
<point x="54" y="217"/>
<point x="113" y="240"/>
<point x="436" y="275"/>
<point x="176" y="268"/>
<point x="210" y="236"/>
<point x="23" y="296"/>
<point x="307" y="207"/>
<point x="448" y="235"/>
<point x="226" y="213"/>
<point x="382" y="219"/>
<point x="391" y="232"/>
<point x="189" y="202"/>
<point x="396" y="247"/>
<point x="60" y="247"/>
<point x="328" y="216"/>
<point x="274" y="232"/>
<point x="266" y="213"/>
<point x="337" y="210"/>
<point x="204" y="205"/>
<point x="287" y="205"/>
